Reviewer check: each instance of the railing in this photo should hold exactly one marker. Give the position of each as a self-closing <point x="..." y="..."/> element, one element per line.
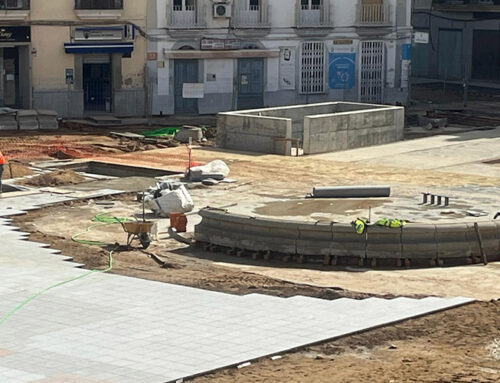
<point x="98" y="4"/>
<point x="188" y="17"/>
<point x="313" y="16"/>
<point x="253" y="16"/>
<point x="13" y="5"/>
<point x="373" y="13"/>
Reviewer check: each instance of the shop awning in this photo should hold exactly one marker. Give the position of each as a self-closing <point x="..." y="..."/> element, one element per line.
<point x="93" y="48"/>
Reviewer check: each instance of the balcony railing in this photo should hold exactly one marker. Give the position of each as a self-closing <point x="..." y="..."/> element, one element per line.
<point x="14" y="5"/>
<point x="186" y="17"/>
<point x="309" y="16"/>
<point x="98" y="4"/>
<point x="253" y="16"/>
<point x="373" y="14"/>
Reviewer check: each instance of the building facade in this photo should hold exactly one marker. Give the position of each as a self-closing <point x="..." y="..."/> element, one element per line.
<point x="463" y="41"/>
<point x="74" y="56"/>
<point x="207" y="56"/>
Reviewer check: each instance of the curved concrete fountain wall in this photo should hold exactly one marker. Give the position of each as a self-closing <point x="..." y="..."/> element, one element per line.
<point x="322" y="242"/>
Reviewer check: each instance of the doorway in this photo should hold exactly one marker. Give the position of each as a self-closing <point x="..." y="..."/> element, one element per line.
<point x="11" y="77"/>
<point x="97" y="83"/>
<point x="372" y="72"/>
<point x="185" y="72"/>
<point x="250" y="83"/>
<point x="450" y="54"/>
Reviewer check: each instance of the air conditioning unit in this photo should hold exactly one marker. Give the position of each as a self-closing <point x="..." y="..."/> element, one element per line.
<point x="222" y="10"/>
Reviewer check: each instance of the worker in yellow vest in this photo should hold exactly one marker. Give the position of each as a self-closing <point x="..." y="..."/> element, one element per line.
<point x="2" y="163"/>
<point x="392" y="223"/>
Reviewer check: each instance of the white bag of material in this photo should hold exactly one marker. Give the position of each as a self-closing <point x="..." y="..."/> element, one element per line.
<point x="175" y="201"/>
<point x="213" y="167"/>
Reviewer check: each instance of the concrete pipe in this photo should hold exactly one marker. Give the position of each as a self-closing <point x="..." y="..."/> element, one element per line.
<point x="365" y="191"/>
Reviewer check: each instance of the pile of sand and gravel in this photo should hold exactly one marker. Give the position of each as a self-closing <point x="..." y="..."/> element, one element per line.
<point x="55" y="178"/>
<point x="15" y="170"/>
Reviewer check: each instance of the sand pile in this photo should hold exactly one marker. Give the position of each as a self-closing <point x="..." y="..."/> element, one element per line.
<point x="18" y="170"/>
<point x="56" y="178"/>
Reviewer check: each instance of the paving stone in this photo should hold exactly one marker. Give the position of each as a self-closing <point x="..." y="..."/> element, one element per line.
<point x="110" y="328"/>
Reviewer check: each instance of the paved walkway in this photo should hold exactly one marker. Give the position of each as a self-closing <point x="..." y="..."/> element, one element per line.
<point x="109" y="328"/>
<point x="463" y="153"/>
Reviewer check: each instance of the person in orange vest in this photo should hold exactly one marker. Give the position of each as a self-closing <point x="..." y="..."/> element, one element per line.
<point x="2" y="163"/>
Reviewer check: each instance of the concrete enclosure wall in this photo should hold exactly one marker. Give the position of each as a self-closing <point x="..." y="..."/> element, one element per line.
<point x="354" y="129"/>
<point x="322" y="127"/>
<point x="413" y="242"/>
<point x="253" y="133"/>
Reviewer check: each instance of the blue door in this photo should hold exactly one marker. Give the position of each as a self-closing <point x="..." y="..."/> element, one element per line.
<point x="250" y="83"/>
<point x="185" y="71"/>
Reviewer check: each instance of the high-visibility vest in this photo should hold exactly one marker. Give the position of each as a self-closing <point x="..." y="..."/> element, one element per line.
<point x="392" y="223"/>
<point x="2" y="159"/>
<point x="359" y="225"/>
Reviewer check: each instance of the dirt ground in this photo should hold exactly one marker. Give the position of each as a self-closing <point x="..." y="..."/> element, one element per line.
<point x="174" y="263"/>
<point x="456" y="346"/>
<point x="460" y="345"/>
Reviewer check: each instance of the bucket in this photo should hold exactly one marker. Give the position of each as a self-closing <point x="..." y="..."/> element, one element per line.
<point x="179" y="222"/>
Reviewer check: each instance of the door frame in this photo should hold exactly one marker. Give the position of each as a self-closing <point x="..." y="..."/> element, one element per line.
<point x="238" y="79"/>
<point x="360" y="71"/>
<point x="198" y="76"/>
<point x="109" y="61"/>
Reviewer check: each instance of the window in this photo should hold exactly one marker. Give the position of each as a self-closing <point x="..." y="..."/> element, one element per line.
<point x="184" y="5"/>
<point x="312" y="68"/>
<point x="310" y="4"/>
<point x="99" y="4"/>
<point x="254" y="5"/>
<point x="14" y="4"/>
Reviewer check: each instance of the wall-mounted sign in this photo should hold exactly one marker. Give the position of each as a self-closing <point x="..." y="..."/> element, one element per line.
<point x="341" y="70"/>
<point x="287" y="68"/>
<point x="70" y="78"/>
<point x="152" y="56"/>
<point x="342" y="42"/>
<point x="220" y="44"/>
<point x="99" y="33"/>
<point x="193" y="90"/>
<point x="421" y="37"/>
<point x="15" y="34"/>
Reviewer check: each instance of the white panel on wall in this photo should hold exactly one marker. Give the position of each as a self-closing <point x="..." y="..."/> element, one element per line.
<point x="163" y="79"/>
<point x="219" y="76"/>
<point x="390" y="76"/>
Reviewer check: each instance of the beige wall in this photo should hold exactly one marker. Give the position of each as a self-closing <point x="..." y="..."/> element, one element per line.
<point x="133" y="10"/>
<point x="50" y="61"/>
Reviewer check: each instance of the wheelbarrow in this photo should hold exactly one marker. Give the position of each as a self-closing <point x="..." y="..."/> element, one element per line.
<point x="138" y="231"/>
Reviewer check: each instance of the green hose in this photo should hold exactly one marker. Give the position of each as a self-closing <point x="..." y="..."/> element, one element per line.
<point x="102" y="220"/>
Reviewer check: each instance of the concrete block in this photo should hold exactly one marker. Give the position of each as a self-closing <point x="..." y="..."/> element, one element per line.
<point x="419" y="241"/>
<point x="490" y="238"/>
<point x="27" y="119"/>
<point x="454" y="241"/>
<point x="384" y="242"/>
<point x="47" y="119"/>
<point x="315" y="239"/>
<point x="346" y="242"/>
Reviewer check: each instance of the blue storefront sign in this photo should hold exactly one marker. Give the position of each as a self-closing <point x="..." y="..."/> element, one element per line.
<point x="342" y="70"/>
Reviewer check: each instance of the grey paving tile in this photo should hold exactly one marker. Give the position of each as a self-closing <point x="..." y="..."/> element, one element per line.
<point x="120" y="329"/>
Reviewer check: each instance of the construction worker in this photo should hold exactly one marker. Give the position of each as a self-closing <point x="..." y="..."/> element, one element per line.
<point x="360" y="225"/>
<point x="2" y="163"/>
<point x="392" y="223"/>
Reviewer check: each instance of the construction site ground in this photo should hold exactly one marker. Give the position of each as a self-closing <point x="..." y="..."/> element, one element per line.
<point x="460" y="345"/>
